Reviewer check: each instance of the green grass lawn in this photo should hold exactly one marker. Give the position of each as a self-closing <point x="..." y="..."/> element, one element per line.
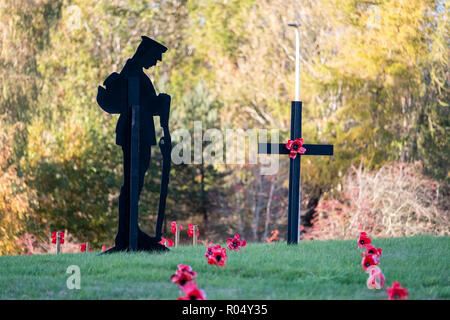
<point x="310" y="270"/>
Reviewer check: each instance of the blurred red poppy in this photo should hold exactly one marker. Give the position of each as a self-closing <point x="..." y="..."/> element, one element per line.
<point x="218" y="256"/>
<point x="191" y="230"/>
<point x="370" y="249"/>
<point x="181" y="278"/>
<point x="295" y="146"/>
<point x="363" y="240"/>
<point x="166" y="242"/>
<point x="55" y="237"/>
<point x="210" y="249"/>
<point x="192" y="292"/>
<point x="183" y="275"/>
<point x="376" y="278"/>
<point x="173" y="226"/>
<point x="83" y="248"/>
<point x="369" y="260"/>
<point x="185" y="268"/>
<point x="236" y="243"/>
<point x="396" y="292"/>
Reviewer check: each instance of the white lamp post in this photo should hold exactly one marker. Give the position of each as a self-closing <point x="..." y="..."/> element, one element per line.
<point x="297" y="59"/>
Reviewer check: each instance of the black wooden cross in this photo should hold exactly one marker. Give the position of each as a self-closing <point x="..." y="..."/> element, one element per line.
<point x="294" y="168"/>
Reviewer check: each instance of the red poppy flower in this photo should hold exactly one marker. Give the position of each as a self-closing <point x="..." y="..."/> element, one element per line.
<point x="236" y="243"/>
<point x="295" y="146"/>
<point x="376" y="278"/>
<point x="169" y="243"/>
<point x="210" y="249"/>
<point x="396" y="292"/>
<point x="181" y="278"/>
<point x="173" y="226"/>
<point x="363" y="240"/>
<point x="191" y="230"/>
<point x="183" y="275"/>
<point x="218" y="256"/>
<point x="369" y="260"/>
<point x="55" y="237"/>
<point x="370" y="249"/>
<point x="186" y="268"/>
<point x="83" y="248"/>
<point x="192" y="292"/>
<point x="166" y="242"/>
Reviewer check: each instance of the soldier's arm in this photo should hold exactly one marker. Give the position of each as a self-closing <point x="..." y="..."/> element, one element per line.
<point x="162" y="108"/>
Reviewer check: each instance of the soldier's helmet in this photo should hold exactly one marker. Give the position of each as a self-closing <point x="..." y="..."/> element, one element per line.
<point x="149" y="45"/>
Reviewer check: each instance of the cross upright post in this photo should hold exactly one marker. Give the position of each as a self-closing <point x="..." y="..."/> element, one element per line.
<point x="194" y="236"/>
<point x="177" y="234"/>
<point x="294" y="179"/>
<point x="58" y="242"/>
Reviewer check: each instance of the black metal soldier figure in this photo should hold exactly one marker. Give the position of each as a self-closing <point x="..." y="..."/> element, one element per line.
<point x="132" y="94"/>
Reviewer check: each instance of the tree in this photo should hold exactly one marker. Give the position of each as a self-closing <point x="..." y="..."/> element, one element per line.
<point x="15" y="197"/>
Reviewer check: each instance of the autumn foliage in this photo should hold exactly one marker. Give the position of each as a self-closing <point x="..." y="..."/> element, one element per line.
<point x="374" y="82"/>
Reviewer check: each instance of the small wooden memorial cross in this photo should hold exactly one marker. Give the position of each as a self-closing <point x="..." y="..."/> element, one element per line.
<point x="293" y="234"/>
<point x="177" y="234"/>
<point x="58" y="239"/>
<point x="58" y="242"/>
<point x="194" y="235"/>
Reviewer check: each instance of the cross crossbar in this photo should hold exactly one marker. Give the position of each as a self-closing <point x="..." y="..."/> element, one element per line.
<point x="311" y="149"/>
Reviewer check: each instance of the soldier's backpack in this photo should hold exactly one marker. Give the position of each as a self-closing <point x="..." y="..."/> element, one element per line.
<point x="113" y="98"/>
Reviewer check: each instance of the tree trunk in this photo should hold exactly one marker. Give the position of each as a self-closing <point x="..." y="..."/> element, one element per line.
<point x="269" y="202"/>
<point x="203" y="204"/>
<point x="257" y="207"/>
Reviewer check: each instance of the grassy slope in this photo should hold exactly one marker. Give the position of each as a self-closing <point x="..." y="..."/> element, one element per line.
<point x="311" y="270"/>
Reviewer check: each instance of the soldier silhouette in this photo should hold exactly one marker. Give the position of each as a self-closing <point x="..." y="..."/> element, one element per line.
<point x="115" y="98"/>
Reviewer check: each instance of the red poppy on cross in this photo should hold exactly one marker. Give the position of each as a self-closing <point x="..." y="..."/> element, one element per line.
<point x="55" y="237"/>
<point x="191" y="230"/>
<point x="173" y="225"/>
<point x="85" y="247"/>
<point x="295" y="146"/>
